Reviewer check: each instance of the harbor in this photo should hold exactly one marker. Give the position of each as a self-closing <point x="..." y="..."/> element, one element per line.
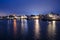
<point x="49" y="17"/>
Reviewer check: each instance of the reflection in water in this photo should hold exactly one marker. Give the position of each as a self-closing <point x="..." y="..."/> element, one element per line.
<point x="54" y="25"/>
<point x="24" y="28"/>
<point x="51" y="30"/>
<point x="18" y="30"/>
<point x="14" y="26"/>
<point x="36" y="29"/>
<point x="8" y="26"/>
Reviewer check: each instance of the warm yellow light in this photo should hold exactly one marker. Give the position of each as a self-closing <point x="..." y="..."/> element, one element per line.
<point x="50" y="15"/>
<point x="37" y="29"/>
<point x="54" y="24"/>
<point x="51" y="29"/>
<point x="23" y="16"/>
<point x="35" y="17"/>
<point x="15" y="28"/>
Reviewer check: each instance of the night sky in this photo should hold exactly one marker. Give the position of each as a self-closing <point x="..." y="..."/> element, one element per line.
<point x="28" y="7"/>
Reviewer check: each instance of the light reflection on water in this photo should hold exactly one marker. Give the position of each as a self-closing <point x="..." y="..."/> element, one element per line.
<point x="24" y="27"/>
<point x="8" y="26"/>
<point x="15" y="26"/>
<point x="51" y="30"/>
<point x="36" y="29"/>
<point x="28" y="28"/>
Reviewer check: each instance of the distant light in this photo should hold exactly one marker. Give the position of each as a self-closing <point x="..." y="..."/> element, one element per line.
<point x="50" y="15"/>
<point x="35" y="17"/>
<point x="24" y="16"/>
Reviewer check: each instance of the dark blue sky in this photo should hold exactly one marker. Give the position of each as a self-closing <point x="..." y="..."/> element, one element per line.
<point x="22" y="7"/>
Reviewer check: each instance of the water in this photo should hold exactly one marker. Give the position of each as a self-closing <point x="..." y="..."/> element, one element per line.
<point x="29" y="30"/>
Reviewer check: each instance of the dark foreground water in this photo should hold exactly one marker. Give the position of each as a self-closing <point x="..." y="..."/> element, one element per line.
<point x="29" y="30"/>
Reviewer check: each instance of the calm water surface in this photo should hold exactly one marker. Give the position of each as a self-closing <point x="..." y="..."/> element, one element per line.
<point x="29" y="30"/>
